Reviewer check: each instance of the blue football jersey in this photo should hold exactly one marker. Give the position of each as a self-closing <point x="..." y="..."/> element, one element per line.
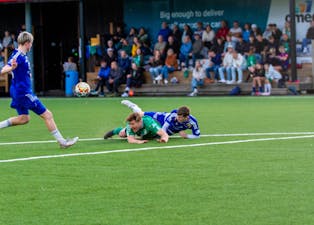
<point x="21" y="76"/>
<point x="172" y="126"/>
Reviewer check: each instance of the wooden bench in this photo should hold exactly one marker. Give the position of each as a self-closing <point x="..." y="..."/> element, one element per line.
<point x="91" y="77"/>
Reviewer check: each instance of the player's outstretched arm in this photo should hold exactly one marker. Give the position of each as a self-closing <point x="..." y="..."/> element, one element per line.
<point x="164" y="137"/>
<point x="133" y="140"/>
<point x="188" y="136"/>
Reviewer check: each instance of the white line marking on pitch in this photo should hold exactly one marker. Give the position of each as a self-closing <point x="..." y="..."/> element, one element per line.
<point x="204" y="135"/>
<point x="153" y="148"/>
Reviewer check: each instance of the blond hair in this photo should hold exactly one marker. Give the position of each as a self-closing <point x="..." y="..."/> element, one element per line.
<point x="25" y="37"/>
<point x="134" y="117"/>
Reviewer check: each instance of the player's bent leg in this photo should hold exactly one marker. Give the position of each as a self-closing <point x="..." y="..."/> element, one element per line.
<point x="132" y="106"/>
<point x="19" y="120"/>
<point x="113" y="132"/>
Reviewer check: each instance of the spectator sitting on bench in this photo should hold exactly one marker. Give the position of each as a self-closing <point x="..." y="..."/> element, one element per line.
<point x="198" y="78"/>
<point x="124" y="62"/>
<point x="103" y="78"/>
<point x="116" y="78"/>
<point x="272" y="76"/>
<point x="134" y="79"/>
<point x="185" y="51"/>
<point x="212" y="64"/>
<point x="171" y="64"/>
<point x="258" y="74"/>
<point x="156" y="63"/>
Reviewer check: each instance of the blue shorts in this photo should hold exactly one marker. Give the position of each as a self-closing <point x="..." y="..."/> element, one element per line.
<point x="28" y="102"/>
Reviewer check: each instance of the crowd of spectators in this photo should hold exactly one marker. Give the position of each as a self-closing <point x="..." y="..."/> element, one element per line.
<point x="224" y="55"/>
<point x="8" y="43"/>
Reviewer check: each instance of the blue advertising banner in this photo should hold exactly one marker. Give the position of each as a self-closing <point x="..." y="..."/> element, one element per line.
<point x="149" y="13"/>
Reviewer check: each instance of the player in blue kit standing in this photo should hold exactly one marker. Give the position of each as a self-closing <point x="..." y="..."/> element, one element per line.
<point x="177" y="121"/>
<point x="23" y="98"/>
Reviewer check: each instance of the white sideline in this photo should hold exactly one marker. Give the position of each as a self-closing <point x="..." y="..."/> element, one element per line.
<point x="153" y="148"/>
<point x="203" y="135"/>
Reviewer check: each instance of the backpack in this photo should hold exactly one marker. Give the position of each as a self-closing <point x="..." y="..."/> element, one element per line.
<point x="235" y="91"/>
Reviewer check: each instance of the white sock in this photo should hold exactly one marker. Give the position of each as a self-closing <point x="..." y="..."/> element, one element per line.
<point x="58" y="136"/>
<point x="269" y="88"/>
<point x="265" y="88"/>
<point x="5" y="123"/>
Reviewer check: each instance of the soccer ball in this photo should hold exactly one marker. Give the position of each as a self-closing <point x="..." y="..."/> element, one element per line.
<point x="82" y="89"/>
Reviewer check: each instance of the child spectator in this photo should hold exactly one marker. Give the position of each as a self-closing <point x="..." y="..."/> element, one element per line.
<point x="258" y="75"/>
<point x="198" y="78"/>
<point x="283" y="57"/>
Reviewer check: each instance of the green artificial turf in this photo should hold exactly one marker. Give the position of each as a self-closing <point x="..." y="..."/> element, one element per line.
<point x="211" y="180"/>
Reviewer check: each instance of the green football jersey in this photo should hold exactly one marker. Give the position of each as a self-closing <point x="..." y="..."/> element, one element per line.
<point x="148" y="131"/>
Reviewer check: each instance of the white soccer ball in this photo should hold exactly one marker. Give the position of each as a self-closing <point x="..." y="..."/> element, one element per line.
<point x="82" y="89"/>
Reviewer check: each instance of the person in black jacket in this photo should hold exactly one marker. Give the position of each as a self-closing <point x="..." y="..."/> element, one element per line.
<point x="134" y="79"/>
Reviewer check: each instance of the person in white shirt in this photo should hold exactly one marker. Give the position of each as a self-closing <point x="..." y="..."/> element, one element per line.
<point x="208" y="36"/>
<point x="272" y="76"/>
<point x="238" y="66"/>
<point x="226" y="65"/>
<point x="235" y="31"/>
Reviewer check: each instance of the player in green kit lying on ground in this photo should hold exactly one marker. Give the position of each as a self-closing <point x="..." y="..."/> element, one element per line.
<point x="146" y="128"/>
